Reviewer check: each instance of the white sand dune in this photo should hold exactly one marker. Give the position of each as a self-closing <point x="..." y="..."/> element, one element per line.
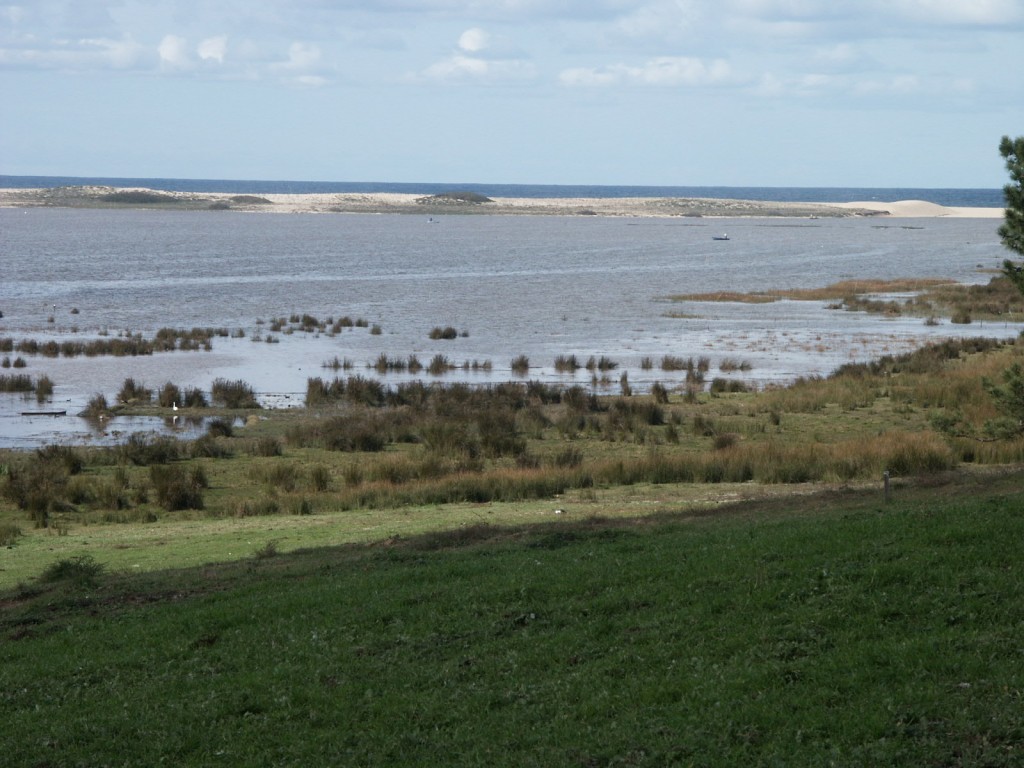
<point x="923" y="209"/>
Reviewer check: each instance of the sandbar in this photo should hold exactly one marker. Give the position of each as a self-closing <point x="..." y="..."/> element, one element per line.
<point x="459" y="204"/>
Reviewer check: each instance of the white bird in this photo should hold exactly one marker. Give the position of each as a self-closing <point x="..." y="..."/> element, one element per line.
<point x="174" y="406"/>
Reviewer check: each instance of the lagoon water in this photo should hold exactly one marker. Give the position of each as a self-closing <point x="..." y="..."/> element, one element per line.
<point x="524" y="285"/>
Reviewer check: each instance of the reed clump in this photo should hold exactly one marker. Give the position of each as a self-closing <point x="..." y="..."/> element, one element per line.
<point x="233" y="394"/>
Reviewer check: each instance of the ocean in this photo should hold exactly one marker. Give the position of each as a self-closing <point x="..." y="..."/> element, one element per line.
<point x="967" y="198"/>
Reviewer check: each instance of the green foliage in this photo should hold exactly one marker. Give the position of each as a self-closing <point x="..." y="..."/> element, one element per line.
<point x="137" y="197"/>
<point x="1012" y="229"/>
<point x="1009" y="398"/>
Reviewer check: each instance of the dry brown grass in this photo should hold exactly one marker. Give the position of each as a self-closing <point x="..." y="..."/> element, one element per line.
<point x="834" y="291"/>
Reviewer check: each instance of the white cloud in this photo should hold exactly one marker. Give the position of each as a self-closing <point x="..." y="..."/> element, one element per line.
<point x="478" y="59"/>
<point x="460" y="67"/>
<point x="213" y="49"/>
<point x="474" y="40"/>
<point x="173" y="52"/>
<point x="662" y="71"/>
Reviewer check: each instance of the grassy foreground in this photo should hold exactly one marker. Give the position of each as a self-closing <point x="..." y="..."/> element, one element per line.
<point x="810" y="631"/>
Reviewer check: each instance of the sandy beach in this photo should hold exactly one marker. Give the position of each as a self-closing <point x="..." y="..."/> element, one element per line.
<point x="462" y="203"/>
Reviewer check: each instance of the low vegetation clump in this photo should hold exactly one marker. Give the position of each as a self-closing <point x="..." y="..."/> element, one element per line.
<point x="125" y="345"/>
<point x="133" y="392"/>
<point x="455" y="197"/>
<point x="448" y="332"/>
<point x="567" y="364"/>
<point x="16" y="383"/>
<point x="137" y="197"/>
<point x="250" y="200"/>
<point x="233" y="394"/>
<point x="177" y="489"/>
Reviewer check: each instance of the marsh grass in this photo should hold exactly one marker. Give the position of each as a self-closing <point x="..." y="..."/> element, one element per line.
<point x="175" y="488"/>
<point x="447" y="333"/>
<point x="133" y="392"/>
<point x="234" y="394"/>
<point x="567" y="364"/>
<point x="16" y="383"/>
<point x="439" y="365"/>
<point x="998" y="299"/>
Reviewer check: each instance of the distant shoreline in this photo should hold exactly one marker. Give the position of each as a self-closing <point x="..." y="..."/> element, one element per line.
<point x="106" y="197"/>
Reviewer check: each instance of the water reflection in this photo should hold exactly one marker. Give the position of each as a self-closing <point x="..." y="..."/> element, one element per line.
<point x="26" y="432"/>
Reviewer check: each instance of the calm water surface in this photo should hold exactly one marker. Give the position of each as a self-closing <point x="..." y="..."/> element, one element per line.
<point x="535" y="286"/>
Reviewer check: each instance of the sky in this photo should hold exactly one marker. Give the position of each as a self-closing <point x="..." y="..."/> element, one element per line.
<point x="837" y="93"/>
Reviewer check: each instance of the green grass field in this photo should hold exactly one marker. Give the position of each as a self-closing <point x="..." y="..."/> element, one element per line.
<point x="817" y="630"/>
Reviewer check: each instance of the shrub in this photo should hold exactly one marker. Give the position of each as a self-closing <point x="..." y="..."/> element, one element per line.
<point x="9" y="534"/>
<point x="234" y="394"/>
<point x="219" y="428"/>
<point x="266" y="446"/>
<point x="175" y="489"/>
<point x="567" y="364"/>
<point x="79" y="571"/>
<point x="96" y="407"/>
<point x="448" y="332"/>
<point x="726" y="440"/>
<point x="44" y="388"/>
<point x="258" y="508"/>
<point x="208" y="447"/>
<point x="169" y="396"/>
<point x="131" y="392"/>
<point x="143" y="451"/>
<point x="520" y="365"/>
<point x="281" y="476"/>
<point x="137" y="197"/>
<point x="16" y="383"/>
<point x="319" y="478"/>
<point x="439" y="364"/>
<point x="65" y="455"/>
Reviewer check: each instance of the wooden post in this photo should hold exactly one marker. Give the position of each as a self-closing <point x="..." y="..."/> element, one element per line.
<point x="885" y="477"/>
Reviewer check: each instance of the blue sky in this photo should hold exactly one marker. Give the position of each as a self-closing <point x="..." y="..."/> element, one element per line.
<point x="888" y="93"/>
